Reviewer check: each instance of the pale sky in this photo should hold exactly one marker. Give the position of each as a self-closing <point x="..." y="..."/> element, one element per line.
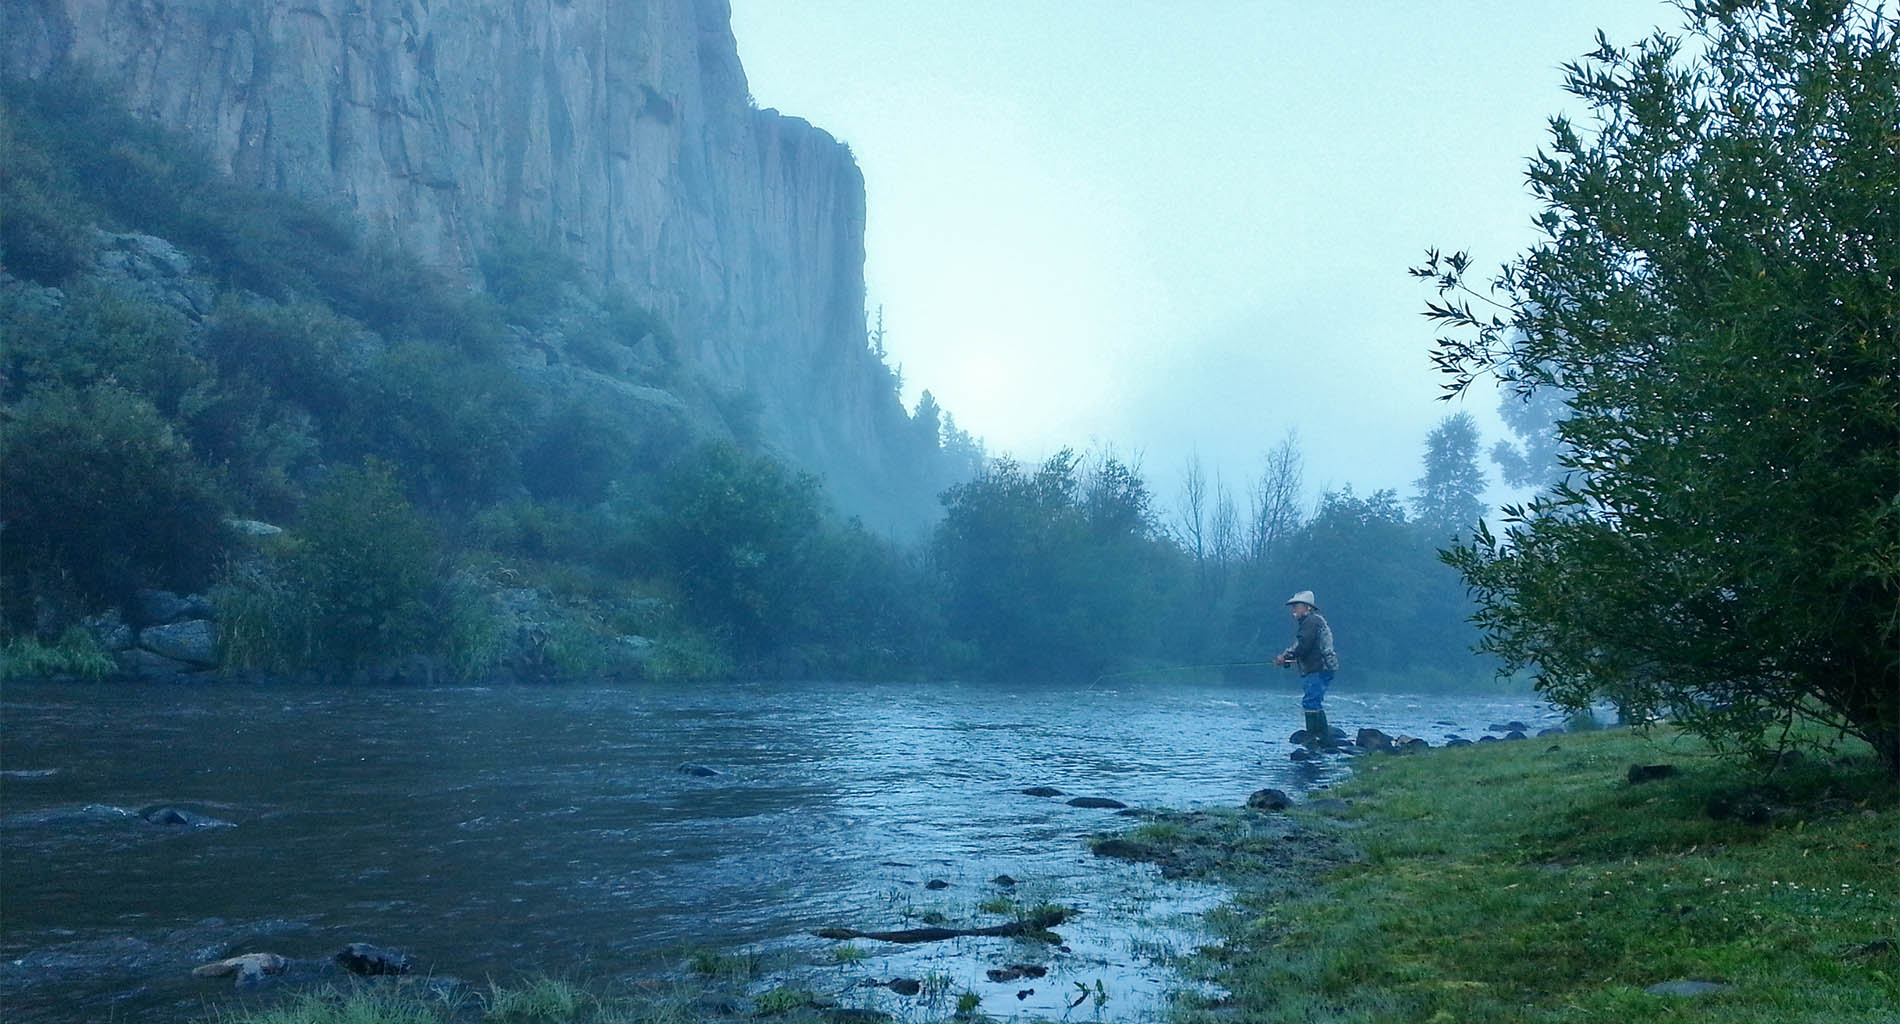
<point x="1178" y="227"/>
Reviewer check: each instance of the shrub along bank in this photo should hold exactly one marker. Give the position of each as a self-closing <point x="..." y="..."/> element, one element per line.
<point x="1535" y="882"/>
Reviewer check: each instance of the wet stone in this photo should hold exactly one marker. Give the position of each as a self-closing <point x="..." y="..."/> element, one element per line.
<point x="1043" y="791"/>
<point x="363" y="958"/>
<point x="1015" y="972"/>
<point x="1099" y="802"/>
<point x="936" y="883"/>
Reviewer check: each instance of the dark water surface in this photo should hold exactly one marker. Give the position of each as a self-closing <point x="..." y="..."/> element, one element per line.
<point x="491" y="830"/>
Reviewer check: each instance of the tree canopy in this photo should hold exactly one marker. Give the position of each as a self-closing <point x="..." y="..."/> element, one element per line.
<point x="1717" y="291"/>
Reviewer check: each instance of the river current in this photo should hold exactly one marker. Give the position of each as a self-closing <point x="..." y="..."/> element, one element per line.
<point x="495" y="831"/>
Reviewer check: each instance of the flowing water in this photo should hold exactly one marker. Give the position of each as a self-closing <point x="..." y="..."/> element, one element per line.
<point x="491" y="831"/>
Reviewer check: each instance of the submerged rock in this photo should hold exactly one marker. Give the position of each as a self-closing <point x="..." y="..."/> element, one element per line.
<point x="365" y="959"/>
<point x="936" y="883"/>
<point x="1003" y="880"/>
<point x="905" y="986"/>
<point x="1100" y="802"/>
<point x="166" y="814"/>
<point x="698" y="771"/>
<point x="1043" y="791"/>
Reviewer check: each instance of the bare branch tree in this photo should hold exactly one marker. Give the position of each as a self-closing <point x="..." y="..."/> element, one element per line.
<point x="1275" y="500"/>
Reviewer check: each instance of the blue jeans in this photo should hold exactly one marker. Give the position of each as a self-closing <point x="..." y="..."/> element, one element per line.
<point x="1314" y="699"/>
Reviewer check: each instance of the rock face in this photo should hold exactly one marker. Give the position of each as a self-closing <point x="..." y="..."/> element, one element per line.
<point x="621" y="131"/>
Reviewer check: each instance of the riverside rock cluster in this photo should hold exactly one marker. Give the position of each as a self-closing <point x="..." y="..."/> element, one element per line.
<point x="169" y="636"/>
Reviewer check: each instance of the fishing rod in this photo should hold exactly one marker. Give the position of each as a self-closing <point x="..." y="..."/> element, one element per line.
<point x="1178" y="668"/>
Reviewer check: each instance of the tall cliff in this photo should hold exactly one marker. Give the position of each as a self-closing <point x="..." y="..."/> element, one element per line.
<point x="620" y="130"/>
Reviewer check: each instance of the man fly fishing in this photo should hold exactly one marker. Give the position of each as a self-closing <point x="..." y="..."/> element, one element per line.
<point x="1313" y="652"/>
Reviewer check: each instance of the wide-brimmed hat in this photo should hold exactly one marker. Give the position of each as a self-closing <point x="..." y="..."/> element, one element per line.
<point x="1304" y="597"/>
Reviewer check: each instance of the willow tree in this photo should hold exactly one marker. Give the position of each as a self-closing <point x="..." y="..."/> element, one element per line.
<point x="1717" y="290"/>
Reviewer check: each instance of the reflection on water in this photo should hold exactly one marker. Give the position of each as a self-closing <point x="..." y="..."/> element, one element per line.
<point x="492" y="830"/>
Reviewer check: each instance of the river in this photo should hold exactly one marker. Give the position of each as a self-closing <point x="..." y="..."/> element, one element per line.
<point x="490" y="831"/>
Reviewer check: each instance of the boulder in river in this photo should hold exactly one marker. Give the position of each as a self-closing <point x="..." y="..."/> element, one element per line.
<point x="167" y="814"/>
<point x="1269" y="800"/>
<point x="1003" y="880"/>
<point x="1100" y="802"/>
<point x="936" y="883"/>
<point x="194" y="641"/>
<point x="365" y="959"/>
<point x="698" y="771"/>
<point x="905" y="986"/>
<point x="1043" y="791"/>
<point x="1516" y="734"/>
<point x="250" y="968"/>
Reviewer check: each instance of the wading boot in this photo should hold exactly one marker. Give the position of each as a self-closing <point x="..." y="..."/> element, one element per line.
<point x="1319" y="735"/>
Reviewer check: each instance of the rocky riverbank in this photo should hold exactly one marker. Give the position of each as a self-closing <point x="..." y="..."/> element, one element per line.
<point x="1602" y="877"/>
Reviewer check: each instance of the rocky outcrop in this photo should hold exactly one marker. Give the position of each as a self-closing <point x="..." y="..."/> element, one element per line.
<point x="621" y="131"/>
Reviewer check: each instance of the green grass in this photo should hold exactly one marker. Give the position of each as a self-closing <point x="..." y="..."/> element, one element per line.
<point x="1516" y="882"/>
<point x="335" y="1008"/>
<point x="537" y="1000"/>
<point x="75" y="654"/>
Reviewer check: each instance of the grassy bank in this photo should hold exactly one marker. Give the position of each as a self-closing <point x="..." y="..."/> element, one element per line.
<point x="1533" y="882"/>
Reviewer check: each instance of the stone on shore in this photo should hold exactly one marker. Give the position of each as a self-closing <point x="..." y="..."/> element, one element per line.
<point x="1269" y="800"/>
<point x="1373" y="739"/>
<point x="1640" y="773"/>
